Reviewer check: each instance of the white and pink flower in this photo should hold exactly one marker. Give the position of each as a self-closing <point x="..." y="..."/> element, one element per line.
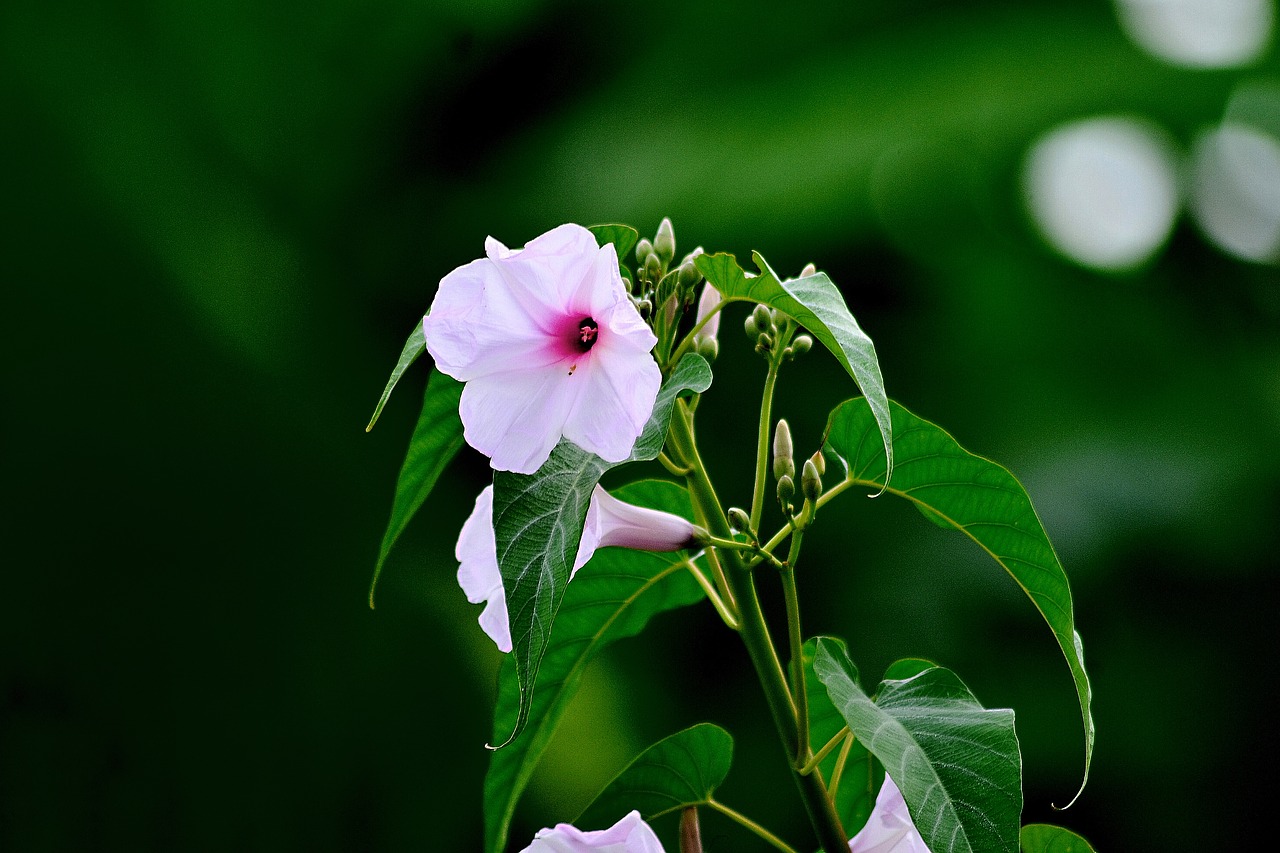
<point x="629" y="835"/>
<point x="889" y="828"/>
<point x="609" y="522"/>
<point x="549" y="346"/>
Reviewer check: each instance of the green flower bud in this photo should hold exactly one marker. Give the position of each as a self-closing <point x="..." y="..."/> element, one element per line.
<point x="820" y="462"/>
<point x="653" y="267"/>
<point x="811" y="481"/>
<point x="645" y="307"/>
<point x="709" y="348"/>
<point x="784" y="464"/>
<point x="739" y="520"/>
<point x="749" y="326"/>
<point x="643" y="250"/>
<point x="786" y="489"/>
<point x="762" y="318"/>
<point x="665" y="241"/>
<point x="689" y="276"/>
<point x="802" y="344"/>
<point x="764" y="342"/>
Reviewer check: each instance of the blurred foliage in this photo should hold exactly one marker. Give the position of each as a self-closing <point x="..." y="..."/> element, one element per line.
<point x="222" y="217"/>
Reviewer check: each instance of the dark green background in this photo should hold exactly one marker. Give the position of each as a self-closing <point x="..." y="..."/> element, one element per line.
<point x="223" y="218"/>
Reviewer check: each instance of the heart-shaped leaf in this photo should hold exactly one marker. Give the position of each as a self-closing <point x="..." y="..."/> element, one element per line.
<point x="537" y="522"/>
<point x="956" y="763"/>
<point x="676" y="772"/>
<point x="623" y="238"/>
<point x="436" y="440"/>
<point x="612" y="597"/>
<point x="959" y="490"/>
<point x="1044" y="838"/>
<point x="860" y="776"/>
<point x="815" y="303"/>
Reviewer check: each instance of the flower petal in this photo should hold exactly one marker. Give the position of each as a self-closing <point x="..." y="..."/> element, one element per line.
<point x="889" y="828"/>
<point x="516" y="417"/>
<point x="629" y="835"/>
<point x="625" y="525"/>
<point x="615" y="403"/>
<point x="709" y="300"/>
<point x="553" y="266"/>
<point x="478" y="573"/>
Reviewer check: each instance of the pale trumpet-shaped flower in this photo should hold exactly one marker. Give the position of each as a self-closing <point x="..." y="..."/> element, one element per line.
<point x="549" y="345"/>
<point x="629" y="835"/>
<point x="609" y="522"/>
<point x="889" y="828"/>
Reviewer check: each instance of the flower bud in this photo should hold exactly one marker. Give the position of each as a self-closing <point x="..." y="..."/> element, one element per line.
<point x="645" y="307"/>
<point x="819" y="461"/>
<point x="801" y="345"/>
<point x="784" y="463"/>
<point x="786" y="489"/>
<point x="708" y="348"/>
<point x="764" y="342"/>
<point x="811" y="481"/>
<point x="689" y="276"/>
<point x="762" y="318"/>
<point x="643" y="250"/>
<point x="739" y="520"/>
<point x="653" y="267"/>
<point x="749" y="326"/>
<point x="664" y="243"/>
<point x="809" y="269"/>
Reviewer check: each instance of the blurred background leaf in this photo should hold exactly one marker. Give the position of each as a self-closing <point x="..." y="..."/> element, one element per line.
<point x="221" y="217"/>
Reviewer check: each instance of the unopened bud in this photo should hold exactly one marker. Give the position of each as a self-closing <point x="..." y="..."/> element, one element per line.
<point x="653" y="266"/>
<point x="809" y="269"/>
<point x="765" y="341"/>
<point x="664" y="243"/>
<point x="750" y="327"/>
<point x="762" y="318"/>
<point x="708" y="348"/>
<point x="784" y="464"/>
<point x="786" y="489"/>
<point x="739" y="520"/>
<point x="819" y="461"/>
<point x="802" y="344"/>
<point x="645" y="307"/>
<point x="689" y="275"/>
<point x="643" y="250"/>
<point x="811" y="481"/>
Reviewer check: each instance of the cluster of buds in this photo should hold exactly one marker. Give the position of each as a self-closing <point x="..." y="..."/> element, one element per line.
<point x="784" y="471"/>
<point x="766" y="327"/>
<point x="660" y="285"/>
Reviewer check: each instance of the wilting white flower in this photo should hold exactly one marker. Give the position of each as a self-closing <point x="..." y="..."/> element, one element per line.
<point x="609" y="522"/>
<point x="549" y="345"/>
<point x="889" y="828"/>
<point x="629" y="835"/>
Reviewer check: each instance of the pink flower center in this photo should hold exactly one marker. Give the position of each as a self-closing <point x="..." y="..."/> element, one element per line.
<point x="588" y="334"/>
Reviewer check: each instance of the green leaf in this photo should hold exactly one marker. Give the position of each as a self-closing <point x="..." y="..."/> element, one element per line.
<point x="414" y="347"/>
<point x="676" y="772"/>
<point x="436" y="440"/>
<point x="977" y="497"/>
<point x="956" y="763"/>
<point x="623" y="238"/>
<point x="1044" y="838"/>
<point x="860" y="779"/>
<point x="815" y="303"/>
<point x="900" y="670"/>
<point x="612" y="597"/>
<point x="537" y="522"/>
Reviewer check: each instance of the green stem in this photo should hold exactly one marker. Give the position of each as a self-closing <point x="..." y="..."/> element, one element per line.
<point x="798" y="692"/>
<point x="673" y="468"/>
<point x="762" y="443"/>
<point x="838" y="771"/>
<point x="714" y="596"/>
<point x="755" y="636"/>
<point x="821" y="754"/>
<point x="687" y="343"/>
<point x="750" y="824"/>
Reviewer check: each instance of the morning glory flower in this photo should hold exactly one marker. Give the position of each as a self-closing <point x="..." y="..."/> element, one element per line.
<point x="889" y="828"/>
<point x="629" y="835"/>
<point x="706" y="304"/>
<point x="549" y="345"/>
<point x="609" y="522"/>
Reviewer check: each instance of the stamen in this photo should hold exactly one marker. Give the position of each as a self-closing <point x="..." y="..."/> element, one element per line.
<point x="588" y="333"/>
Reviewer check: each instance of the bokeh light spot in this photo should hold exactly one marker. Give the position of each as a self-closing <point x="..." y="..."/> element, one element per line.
<point x="1235" y="192"/>
<point x="1104" y="191"/>
<point x="1199" y="33"/>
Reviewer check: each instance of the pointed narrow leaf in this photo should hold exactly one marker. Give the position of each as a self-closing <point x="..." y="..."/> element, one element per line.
<point x="1044" y="838"/>
<point x="956" y="489"/>
<point x="676" y="772"/>
<point x="537" y="522"/>
<point x="436" y="440"/>
<point x="815" y="303"/>
<point x="414" y="347"/>
<point x="956" y="763"/>
<point x="623" y="238"/>
<point x="612" y="597"/>
<point x="860" y="779"/>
